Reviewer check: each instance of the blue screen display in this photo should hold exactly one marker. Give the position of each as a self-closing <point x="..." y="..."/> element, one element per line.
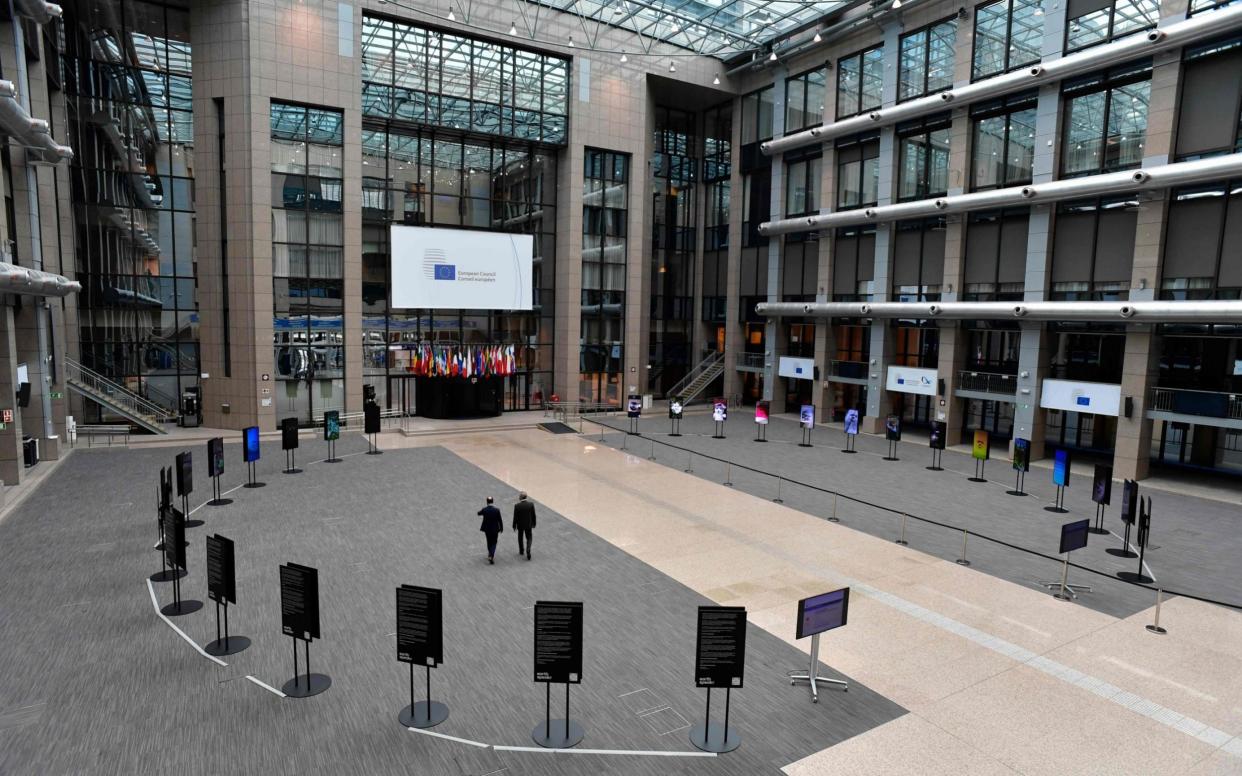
<point x="1061" y="469"/>
<point x="250" y="449"/>
<point x="823" y="612"/>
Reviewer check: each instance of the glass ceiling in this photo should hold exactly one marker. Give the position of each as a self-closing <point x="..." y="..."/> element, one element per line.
<point x="718" y="28"/>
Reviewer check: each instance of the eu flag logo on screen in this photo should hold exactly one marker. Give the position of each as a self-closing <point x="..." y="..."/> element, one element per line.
<point x="446" y="272"/>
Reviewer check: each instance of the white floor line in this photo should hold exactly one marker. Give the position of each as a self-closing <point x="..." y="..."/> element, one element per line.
<point x="156" y="605"/>
<point x="1145" y="566"/>
<point x="266" y="686"/>
<point x="466" y="741"/>
<point x="640" y="752"/>
<point x="500" y="748"/>
<point x="339" y="457"/>
<point x="222" y="495"/>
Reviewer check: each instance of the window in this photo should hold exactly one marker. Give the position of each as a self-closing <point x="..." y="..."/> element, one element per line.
<point x="757" y="108"/>
<point x="926" y="60"/>
<point x="801" y="185"/>
<point x="923" y="158"/>
<point x="1003" y="142"/>
<point x="1201" y="244"/>
<point x="858" y="171"/>
<point x="1091" y="22"/>
<point x="1209" y="122"/>
<point x="860" y="79"/>
<point x="918" y="260"/>
<point x="1106" y="120"/>
<point x="1008" y="35"/>
<point x="756" y="205"/>
<point x="804" y="100"/>
<point x="1198" y="6"/>
<point x="996" y="255"/>
<point x="1093" y="249"/>
<point x="605" y="206"/>
<point x="799" y="267"/>
<point x="717" y="142"/>
<point x="853" y="263"/>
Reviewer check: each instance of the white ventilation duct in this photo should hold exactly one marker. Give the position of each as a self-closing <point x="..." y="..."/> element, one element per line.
<point x="21" y="280"/>
<point x="38" y="10"/>
<point x="30" y="132"/>
<point x="1164" y="176"/>
<point x="1115" y="312"/>
<point x="1170" y="36"/>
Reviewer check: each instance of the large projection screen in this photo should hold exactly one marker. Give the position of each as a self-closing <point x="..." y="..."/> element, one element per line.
<point x="460" y="268"/>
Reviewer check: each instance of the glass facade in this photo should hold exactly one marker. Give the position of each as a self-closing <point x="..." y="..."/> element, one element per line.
<point x="925" y="63"/>
<point x="860" y="82"/>
<point x="427" y="76"/>
<point x="804" y="100"/>
<point x="605" y="213"/>
<point x="1106" y="121"/>
<point x="127" y="89"/>
<point x="673" y="241"/>
<point x="1008" y="35"/>
<point x="1003" y="142"/>
<point x="1092" y="22"/>
<point x="923" y="161"/>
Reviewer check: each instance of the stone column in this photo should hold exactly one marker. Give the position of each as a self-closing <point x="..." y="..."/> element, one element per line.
<point x="772" y="344"/>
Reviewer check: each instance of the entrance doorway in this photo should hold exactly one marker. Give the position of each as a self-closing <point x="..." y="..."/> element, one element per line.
<point x="913" y="409"/>
<point x="401" y="394"/>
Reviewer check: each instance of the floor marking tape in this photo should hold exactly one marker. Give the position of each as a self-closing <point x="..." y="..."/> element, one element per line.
<point x="266" y="686"/>
<point x="156" y="605"/>
<point x="466" y="741"/>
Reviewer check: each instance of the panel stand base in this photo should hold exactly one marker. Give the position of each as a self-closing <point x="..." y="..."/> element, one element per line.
<point x="560" y="738"/>
<point x="934" y="468"/>
<point x="230" y="646"/>
<point x="306" y="685"/>
<point x="715" y="737"/>
<point x="219" y="502"/>
<point x="255" y="485"/>
<point x="426" y="714"/>
<point x="168" y="575"/>
<point x="1121" y="553"/>
<point x="1057" y="510"/>
<point x="291" y="471"/>
<point x="1131" y="576"/>
<point x="179" y="608"/>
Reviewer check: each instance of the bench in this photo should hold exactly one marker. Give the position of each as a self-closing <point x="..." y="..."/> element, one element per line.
<point x="90" y="432"/>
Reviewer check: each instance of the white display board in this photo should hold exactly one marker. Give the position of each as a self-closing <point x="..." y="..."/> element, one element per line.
<point x="908" y="379"/>
<point x="796" y="368"/>
<point x="1071" y="396"/>
<point x="460" y="268"/>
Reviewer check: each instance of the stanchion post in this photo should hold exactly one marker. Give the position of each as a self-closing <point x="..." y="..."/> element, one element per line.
<point x="834" y="518"/>
<point x="1155" y="627"/>
<point x="778" y="498"/>
<point x="962" y="560"/>
<point x="728" y="474"/>
<point x="902" y="541"/>
<point x="689" y="462"/>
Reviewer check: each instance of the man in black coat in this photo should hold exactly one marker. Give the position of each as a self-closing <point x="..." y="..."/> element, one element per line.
<point x="523" y="522"/>
<point x="493" y="525"/>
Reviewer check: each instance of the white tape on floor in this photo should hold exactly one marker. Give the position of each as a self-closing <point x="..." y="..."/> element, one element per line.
<point x="266" y="686"/>
<point x="156" y="605"/>
<point x="466" y="741"/>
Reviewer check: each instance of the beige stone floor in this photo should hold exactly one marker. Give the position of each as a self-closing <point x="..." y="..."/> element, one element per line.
<point x="998" y="678"/>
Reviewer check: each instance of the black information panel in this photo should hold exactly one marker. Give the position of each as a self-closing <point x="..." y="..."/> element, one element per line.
<point x="221" y="577"/>
<point x="371" y="419"/>
<point x="1074" y="536"/>
<point x="720" y="655"/>
<point x="299" y="601"/>
<point x="165" y="489"/>
<point x="174" y="538"/>
<point x="289" y="434"/>
<point x="215" y="456"/>
<point x="1102" y="484"/>
<point x="558" y="642"/>
<point x="420" y="638"/>
<point x="185" y="474"/>
<point x="1129" y="501"/>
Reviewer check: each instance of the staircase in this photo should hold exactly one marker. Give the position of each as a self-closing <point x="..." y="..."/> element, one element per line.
<point x="698" y="378"/>
<point x="116" y="398"/>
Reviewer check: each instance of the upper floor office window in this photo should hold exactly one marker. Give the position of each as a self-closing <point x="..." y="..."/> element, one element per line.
<point x="1008" y="35"/>
<point x="858" y="171"/>
<point x="1198" y="6"/>
<point x="757" y="110"/>
<point x="1209" y="122"/>
<point x="1003" y="142"/>
<point x="717" y="142"/>
<point x="923" y="158"/>
<point x="1106" y="120"/>
<point x="804" y="100"/>
<point x="925" y="64"/>
<point x="860" y="79"/>
<point x="1093" y="249"/>
<point x="802" y="185"/>
<point x="1090" y="22"/>
<point x="1201" y="243"/>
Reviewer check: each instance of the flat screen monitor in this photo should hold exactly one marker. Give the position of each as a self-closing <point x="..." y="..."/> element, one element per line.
<point x="634" y="405"/>
<point x="1061" y="468"/>
<point x="761" y="413"/>
<point x="250" y="446"/>
<point x="806" y="417"/>
<point x="823" y="612"/>
<point x="720" y="410"/>
<point x="1129" y="501"/>
<point x="675" y="408"/>
<point x="331" y="426"/>
<point x="892" y="428"/>
<point x="1021" y="455"/>
<point x="215" y="456"/>
<point x="1102" y="484"/>
<point x="1074" y="535"/>
<point x="982" y="447"/>
<point x="938" y="431"/>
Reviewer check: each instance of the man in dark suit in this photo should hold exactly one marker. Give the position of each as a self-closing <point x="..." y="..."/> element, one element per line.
<point x="523" y="522"/>
<point x="493" y="525"/>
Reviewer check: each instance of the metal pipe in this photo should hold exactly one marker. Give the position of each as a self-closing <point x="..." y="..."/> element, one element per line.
<point x="1164" y="176"/>
<point x="21" y="280"/>
<point x="1120" y="312"/>
<point x="42" y="12"/>
<point x="1164" y="38"/>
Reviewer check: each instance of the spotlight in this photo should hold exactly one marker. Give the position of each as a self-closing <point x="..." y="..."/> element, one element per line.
<point x="716" y="80"/>
<point x="818" y="38"/>
<point x="896" y="4"/>
<point x="513" y="29"/>
<point x="451" y="16"/>
<point x="624" y="58"/>
<point x="772" y="56"/>
<point x="672" y="67"/>
<point x="571" y="41"/>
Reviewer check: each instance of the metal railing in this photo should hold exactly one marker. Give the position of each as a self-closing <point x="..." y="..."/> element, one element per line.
<point x="853" y="370"/>
<point x="750" y="360"/>
<point x="714" y="359"/>
<point x="359" y="418"/>
<point x="565" y="411"/>
<point x="987" y="382"/>
<point x="1186" y="401"/>
<point x="115" y="393"/>
<point x="783" y="483"/>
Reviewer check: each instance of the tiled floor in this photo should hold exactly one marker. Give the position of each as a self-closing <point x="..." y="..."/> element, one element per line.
<point x="999" y="677"/>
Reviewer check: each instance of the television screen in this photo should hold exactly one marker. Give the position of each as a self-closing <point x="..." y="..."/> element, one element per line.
<point x="1102" y="484"/>
<point x="1021" y="455"/>
<point x="892" y="428"/>
<point x="1074" y="536"/>
<point x="215" y="456"/>
<point x="1061" y="468"/>
<point x="675" y="408"/>
<point x="634" y="405"/>
<point x="331" y="426"/>
<point x="250" y="446"/>
<point x="1129" y="501"/>
<point x="806" y="417"/>
<point x="851" y="421"/>
<point x="720" y="410"/>
<point x="981" y="449"/>
<point x="823" y="612"/>
<point x="289" y="434"/>
<point x="761" y="413"/>
<point x="938" y="430"/>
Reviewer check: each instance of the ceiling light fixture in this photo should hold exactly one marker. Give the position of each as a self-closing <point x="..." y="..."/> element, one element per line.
<point x="672" y="66"/>
<point x="571" y="41"/>
<point x="818" y="38"/>
<point x="896" y="4"/>
<point x="624" y="58"/>
<point x="772" y="56"/>
<point x="451" y="17"/>
<point x="716" y="80"/>
<point x="513" y="28"/>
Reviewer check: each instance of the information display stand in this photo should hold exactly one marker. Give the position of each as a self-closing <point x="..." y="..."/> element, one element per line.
<point x="1073" y="537"/>
<point x="331" y="433"/>
<point x="980" y="450"/>
<point x="720" y="414"/>
<point x="1060" y="478"/>
<point x="720" y="657"/>
<point x="371" y="427"/>
<point x="761" y="421"/>
<point x="1101" y="494"/>
<point x="420" y="640"/>
<point x="1144" y="535"/>
<point x="222" y="588"/>
<point x="817" y="614"/>
<point x="1129" y="511"/>
<point x="299" y="619"/>
<point x="1021" y="465"/>
<point x="675" y="408"/>
<point x="892" y="433"/>
<point x="215" y="469"/>
<point x="851" y="430"/>
<point x="163" y="505"/>
<point x="174" y="556"/>
<point x="936" y="457"/>
<point x="250" y="455"/>
<point x="185" y="486"/>
<point x="806" y="420"/>
<point x="936" y="442"/>
<point x="558" y="658"/>
<point x="289" y="443"/>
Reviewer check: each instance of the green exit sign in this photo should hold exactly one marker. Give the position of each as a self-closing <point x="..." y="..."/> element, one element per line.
<point x="57" y="394"/>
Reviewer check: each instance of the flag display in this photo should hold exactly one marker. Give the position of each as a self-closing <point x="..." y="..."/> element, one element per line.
<point x="428" y="360"/>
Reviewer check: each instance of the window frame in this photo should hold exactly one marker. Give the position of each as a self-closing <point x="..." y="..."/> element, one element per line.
<point x="857" y="141"/>
<point x="1005" y="107"/>
<point x="923" y="128"/>
<point x="1111" y="35"/>
<point x="1105" y="82"/>
<point x="859" y="55"/>
<point x="925" y="30"/>
<point x="803" y="76"/>
<point x="1009" y="65"/>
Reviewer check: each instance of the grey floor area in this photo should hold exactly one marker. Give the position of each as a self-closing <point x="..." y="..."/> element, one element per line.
<point x="1195" y="542"/>
<point x="95" y="682"/>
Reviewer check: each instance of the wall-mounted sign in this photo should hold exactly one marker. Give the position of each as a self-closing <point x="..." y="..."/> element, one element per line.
<point x="1072" y="396"/>
<point x="451" y="268"/>
<point x="908" y="379"/>
<point x="796" y="368"/>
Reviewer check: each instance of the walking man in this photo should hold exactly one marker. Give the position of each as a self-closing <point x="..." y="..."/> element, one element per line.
<point x="523" y="522"/>
<point x="493" y="525"/>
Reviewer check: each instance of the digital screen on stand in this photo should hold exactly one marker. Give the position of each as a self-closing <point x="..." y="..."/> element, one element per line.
<point x="823" y="612"/>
